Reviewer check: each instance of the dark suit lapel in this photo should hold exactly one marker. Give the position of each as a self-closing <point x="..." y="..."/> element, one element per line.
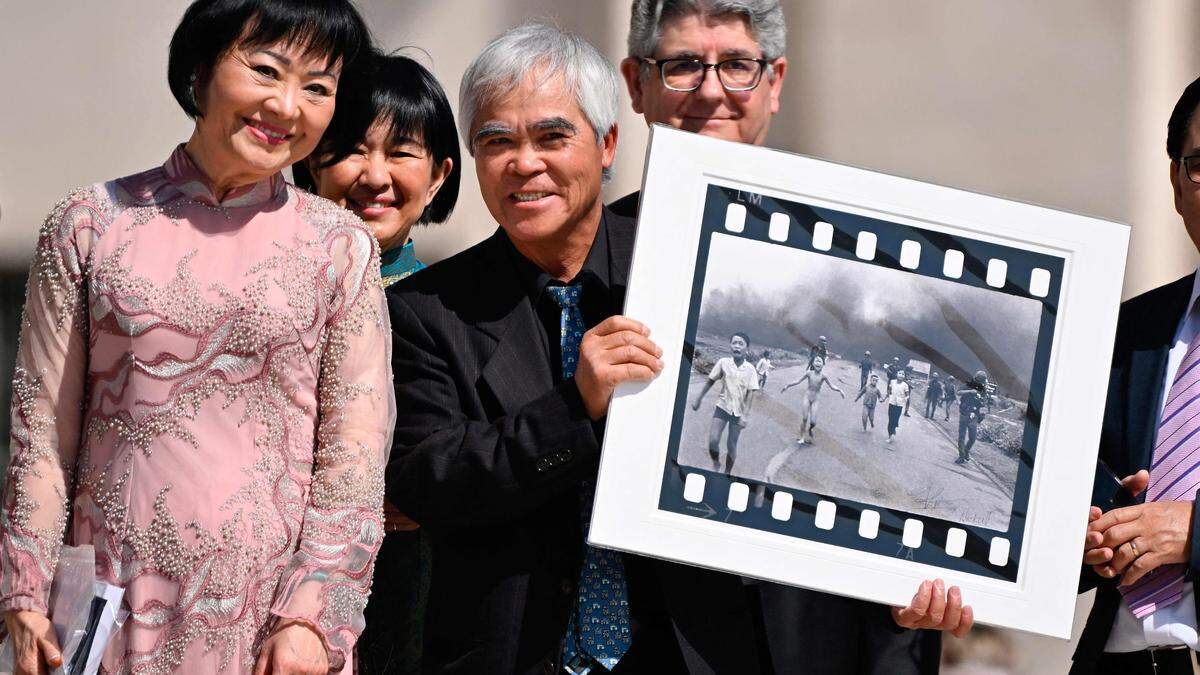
<point x="1146" y="372"/>
<point x="622" y="233"/>
<point x="516" y="371"/>
<point x="1147" y="368"/>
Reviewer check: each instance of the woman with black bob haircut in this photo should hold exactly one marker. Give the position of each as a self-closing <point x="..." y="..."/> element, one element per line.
<point x="203" y="389"/>
<point x="330" y="29"/>
<point x="391" y="156"/>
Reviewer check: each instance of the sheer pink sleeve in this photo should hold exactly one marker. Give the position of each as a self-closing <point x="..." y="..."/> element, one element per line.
<point x="328" y="580"/>
<point x="47" y="403"/>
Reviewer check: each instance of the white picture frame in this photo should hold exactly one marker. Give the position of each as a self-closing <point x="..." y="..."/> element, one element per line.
<point x="647" y="499"/>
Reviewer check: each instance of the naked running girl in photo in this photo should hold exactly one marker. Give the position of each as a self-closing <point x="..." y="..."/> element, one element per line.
<point x="808" y="409"/>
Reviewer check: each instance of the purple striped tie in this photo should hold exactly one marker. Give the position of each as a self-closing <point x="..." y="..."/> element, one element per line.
<point x="1174" y="476"/>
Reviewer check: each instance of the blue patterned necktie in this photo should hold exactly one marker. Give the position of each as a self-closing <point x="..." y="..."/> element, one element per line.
<point x="599" y="626"/>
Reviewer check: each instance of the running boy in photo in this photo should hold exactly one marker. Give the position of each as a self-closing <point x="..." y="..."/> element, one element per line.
<point x="764" y="367"/>
<point x="870" y="395"/>
<point x="808" y="409"/>
<point x="739" y="380"/>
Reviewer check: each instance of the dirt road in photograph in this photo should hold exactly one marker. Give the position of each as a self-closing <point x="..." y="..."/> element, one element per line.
<point x="916" y="473"/>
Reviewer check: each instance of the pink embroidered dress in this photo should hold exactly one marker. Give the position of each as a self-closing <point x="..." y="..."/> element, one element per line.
<point x="203" y="391"/>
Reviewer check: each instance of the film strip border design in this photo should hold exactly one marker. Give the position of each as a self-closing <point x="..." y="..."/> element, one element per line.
<point x="844" y="522"/>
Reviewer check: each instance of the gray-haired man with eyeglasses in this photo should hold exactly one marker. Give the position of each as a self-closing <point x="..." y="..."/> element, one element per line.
<point x="717" y="67"/>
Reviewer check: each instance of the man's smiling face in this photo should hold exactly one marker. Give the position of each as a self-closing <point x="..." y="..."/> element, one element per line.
<point x="742" y="116"/>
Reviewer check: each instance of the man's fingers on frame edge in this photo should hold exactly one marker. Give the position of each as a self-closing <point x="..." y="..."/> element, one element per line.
<point x="964" y="623"/>
<point x="618" y="323"/>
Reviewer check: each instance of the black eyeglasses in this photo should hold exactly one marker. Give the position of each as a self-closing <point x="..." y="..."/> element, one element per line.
<point x="1191" y="167"/>
<point x="688" y="74"/>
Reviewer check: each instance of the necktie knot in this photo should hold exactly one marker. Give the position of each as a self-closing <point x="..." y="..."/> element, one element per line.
<point x="566" y="297"/>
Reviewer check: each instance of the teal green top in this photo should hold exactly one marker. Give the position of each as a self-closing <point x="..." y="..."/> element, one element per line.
<point x="398" y="263"/>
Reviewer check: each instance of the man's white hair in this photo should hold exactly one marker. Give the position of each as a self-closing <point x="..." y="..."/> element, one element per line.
<point x="537" y="48"/>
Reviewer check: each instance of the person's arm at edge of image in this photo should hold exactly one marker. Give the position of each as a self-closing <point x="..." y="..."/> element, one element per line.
<point x="50" y="372"/>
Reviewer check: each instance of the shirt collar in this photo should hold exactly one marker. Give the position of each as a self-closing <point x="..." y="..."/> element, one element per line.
<point x="596" y="270"/>
<point x="399" y="261"/>
<point x="181" y="170"/>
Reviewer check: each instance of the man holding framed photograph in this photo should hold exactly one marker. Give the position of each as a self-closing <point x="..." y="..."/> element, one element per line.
<point x="506" y="357"/>
<point x="673" y="46"/>
<point x="1142" y="559"/>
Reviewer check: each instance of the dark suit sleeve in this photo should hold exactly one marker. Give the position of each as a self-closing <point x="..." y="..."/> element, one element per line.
<point x="1110" y="444"/>
<point x="1194" y="557"/>
<point x="446" y="469"/>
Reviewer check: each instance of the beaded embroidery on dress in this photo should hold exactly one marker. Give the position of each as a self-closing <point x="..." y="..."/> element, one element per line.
<point x="203" y="391"/>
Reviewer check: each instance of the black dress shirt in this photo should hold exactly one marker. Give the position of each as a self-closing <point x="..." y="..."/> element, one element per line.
<point x="597" y="299"/>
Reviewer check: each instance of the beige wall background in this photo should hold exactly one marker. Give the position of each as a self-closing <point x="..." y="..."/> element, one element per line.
<point x="1060" y="103"/>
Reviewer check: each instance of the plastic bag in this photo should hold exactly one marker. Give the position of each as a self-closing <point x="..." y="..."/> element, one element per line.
<point x="71" y="596"/>
<point x="83" y="610"/>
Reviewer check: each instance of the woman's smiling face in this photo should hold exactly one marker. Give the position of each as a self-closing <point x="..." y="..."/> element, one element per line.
<point x="387" y="181"/>
<point x="264" y="108"/>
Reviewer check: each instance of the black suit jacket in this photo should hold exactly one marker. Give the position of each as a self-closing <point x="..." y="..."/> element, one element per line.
<point x="488" y="456"/>
<point x="1145" y="334"/>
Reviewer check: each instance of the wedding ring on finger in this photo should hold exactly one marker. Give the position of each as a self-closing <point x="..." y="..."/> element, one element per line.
<point x="1133" y="545"/>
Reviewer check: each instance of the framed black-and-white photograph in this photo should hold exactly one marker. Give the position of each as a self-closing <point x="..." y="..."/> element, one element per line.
<point x="869" y="381"/>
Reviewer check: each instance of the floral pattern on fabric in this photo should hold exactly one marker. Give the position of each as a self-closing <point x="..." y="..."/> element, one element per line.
<point x="203" y="392"/>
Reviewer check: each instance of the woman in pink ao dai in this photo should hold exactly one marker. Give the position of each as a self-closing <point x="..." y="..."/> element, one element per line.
<point x="203" y="389"/>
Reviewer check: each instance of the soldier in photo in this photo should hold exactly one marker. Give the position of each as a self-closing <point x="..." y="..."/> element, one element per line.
<point x="950" y="395"/>
<point x="865" y="366"/>
<point x="970" y="402"/>
<point x="890" y="370"/>
<point x="933" y="395"/>
<point x="818" y="351"/>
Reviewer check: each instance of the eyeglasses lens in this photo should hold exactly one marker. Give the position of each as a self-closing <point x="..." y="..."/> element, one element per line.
<point x="688" y="74"/>
<point x="1192" y="166"/>
<point x="683" y="74"/>
<point x="739" y="73"/>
